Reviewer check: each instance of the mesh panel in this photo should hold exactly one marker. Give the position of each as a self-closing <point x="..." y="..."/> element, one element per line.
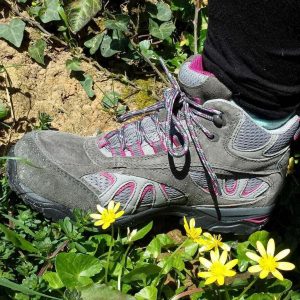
<point x="171" y="192"/>
<point x="124" y="193"/>
<point x="250" y="136"/>
<point x="252" y="185"/>
<point x="130" y="134"/>
<point x="147" y="196"/>
<point x="98" y="181"/>
<point x="189" y="77"/>
<point x="284" y="139"/>
<point x="199" y="178"/>
<point x="150" y="129"/>
<point x="230" y="183"/>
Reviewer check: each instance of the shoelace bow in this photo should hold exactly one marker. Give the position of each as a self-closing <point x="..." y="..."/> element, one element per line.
<point x="191" y="109"/>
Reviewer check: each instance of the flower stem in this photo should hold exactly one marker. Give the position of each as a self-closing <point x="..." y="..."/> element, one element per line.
<point x="123" y="267"/>
<point x="227" y="297"/>
<point x="247" y="288"/>
<point x="109" y="253"/>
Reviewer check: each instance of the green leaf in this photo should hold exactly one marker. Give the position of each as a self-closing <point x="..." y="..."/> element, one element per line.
<point x="110" y="100"/>
<point x="262" y="236"/>
<point x="102" y="292"/>
<point x="147" y="293"/>
<point x="119" y="23"/>
<point x="261" y="296"/>
<point x="23" y="289"/>
<point x="75" y="269"/>
<point x="242" y="248"/>
<point x="162" y="31"/>
<point x="106" y="47"/>
<point x="142" y="232"/>
<point x="145" y="49"/>
<point x="4" y="110"/>
<point x="36" y="51"/>
<point x="50" y="11"/>
<point x="87" y="84"/>
<point x="141" y="273"/>
<point x="278" y="287"/>
<point x="13" y="32"/>
<point x="54" y="280"/>
<point x="155" y="246"/>
<point x="162" y="12"/>
<point x="73" y="64"/>
<point x="17" y="240"/>
<point x="80" y="12"/>
<point x="94" y="43"/>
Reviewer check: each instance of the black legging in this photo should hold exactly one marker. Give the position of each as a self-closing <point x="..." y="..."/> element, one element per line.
<point x="253" y="47"/>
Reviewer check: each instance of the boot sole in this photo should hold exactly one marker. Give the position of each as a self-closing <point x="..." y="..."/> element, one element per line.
<point x="240" y="221"/>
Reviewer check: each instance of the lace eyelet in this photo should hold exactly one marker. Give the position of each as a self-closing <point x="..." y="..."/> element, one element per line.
<point x="214" y="138"/>
<point x="219" y="120"/>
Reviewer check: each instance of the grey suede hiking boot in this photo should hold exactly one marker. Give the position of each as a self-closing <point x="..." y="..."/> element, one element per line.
<point x="210" y="162"/>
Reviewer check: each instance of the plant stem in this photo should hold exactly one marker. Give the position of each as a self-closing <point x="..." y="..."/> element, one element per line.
<point x="247" y="288"/>
<point x="195" y="22"/>
<point x="124" y="260"/>
<point x="227" y="297"/>
<point x="109" y="253"/>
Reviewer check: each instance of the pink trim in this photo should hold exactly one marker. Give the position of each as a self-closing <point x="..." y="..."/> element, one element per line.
<point x="247" y="193"/>
<point x="140" y="149"/>
<point x="198" y="100"/>
<point x="102" y="142"/>
<point x="130" y="185"/>
<point x="259" y="220"/>
<point x="231" y="191"/>
<point x="163" y="187"/>
<point x="109" y="176"/>
<point x="147" y="189"/>
<point x="196" y="65"/>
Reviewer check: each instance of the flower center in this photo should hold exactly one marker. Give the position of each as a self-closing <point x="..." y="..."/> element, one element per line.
<point x="217" y="269"/>
<point x="268" y="263"/>
<point x="108" y="216"/>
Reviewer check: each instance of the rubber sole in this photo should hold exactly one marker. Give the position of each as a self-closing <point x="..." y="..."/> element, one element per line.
<point x="241" y="221"/>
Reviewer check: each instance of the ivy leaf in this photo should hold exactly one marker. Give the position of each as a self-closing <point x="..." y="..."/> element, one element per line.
<point x="106" y="47"/>
<point x="50" y="11"/>
<point x="94" y="43"/>
<point x="36" y="51"/>
<point x="80" y="12"/>
<point x="162" y="31"/>
<point x="76" y="269"/>
<point x="13" y="32"/>
<point x="87" y="84"/>
<point x="4" y="110"/>
<point x="73" y="64"/>
<point x="119" y="23"/>
<point x="145" y="49"/>
<point x="110" y="100"/>
<point x="162" y="12"/>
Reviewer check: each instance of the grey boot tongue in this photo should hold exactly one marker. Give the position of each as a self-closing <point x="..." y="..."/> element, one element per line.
<point x="199" y="83"/>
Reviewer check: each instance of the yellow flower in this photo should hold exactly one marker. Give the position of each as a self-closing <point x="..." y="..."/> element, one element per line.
<point x="192" y="232"/>
<point x="267" y="262"/>
<point x="210" y="242"/>
<point x="107" y="215"/>
<point x="218" y="269"/>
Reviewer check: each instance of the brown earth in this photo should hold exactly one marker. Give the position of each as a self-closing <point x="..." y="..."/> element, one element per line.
<point x="52" y="90"/>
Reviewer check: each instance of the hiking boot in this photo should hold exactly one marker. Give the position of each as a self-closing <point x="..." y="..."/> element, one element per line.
<point x="211" y="162"/>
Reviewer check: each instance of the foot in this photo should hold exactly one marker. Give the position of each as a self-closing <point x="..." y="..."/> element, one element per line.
<point x="211" y="162"/>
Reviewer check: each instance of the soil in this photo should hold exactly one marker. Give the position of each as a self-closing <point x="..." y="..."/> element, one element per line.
<point x="51" y="89"/>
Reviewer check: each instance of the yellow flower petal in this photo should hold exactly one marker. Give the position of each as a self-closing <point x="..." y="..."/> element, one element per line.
<point x="205" y="262"/>
<point x="111" y="204"/>
<point x="100" y="208"/>
<point x="204" y="274"/>
<point x="119" y="214"/>
<point x="271" y="247"/>
<point x="285" y="266"/>
<point x="210" y="280"/>
<point x="261" y="249"/>
<point x="192" y="223"/>
<point x="117" y="206"/>
<point x="98" y="223"/>
<point x="207" y="235"/>
<point x="282" y="254"/>
<point x="263" y="274"/>
<point x="185" y="224"/>
<point x="106" y="225"/>
<point x="277" y="274"/>
<point x="214" y="255"/>
<point x="223" y="257"/>
<point x="95" y="216"/>
<point x="253" y="256"/>
<point x="225" y="247"/>
<point x="231" y="263"/>
<point x="255" y="269"/>
<point x="220" y="280"/>
<point x="229" y="273"/>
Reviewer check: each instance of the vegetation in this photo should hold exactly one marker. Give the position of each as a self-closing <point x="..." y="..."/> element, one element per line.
<point x="74" y="259"/>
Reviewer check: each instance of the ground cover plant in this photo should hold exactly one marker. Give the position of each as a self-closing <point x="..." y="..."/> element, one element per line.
<point x="89" y="257"/>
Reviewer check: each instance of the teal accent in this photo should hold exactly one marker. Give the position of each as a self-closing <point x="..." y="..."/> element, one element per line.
<point x="269" y="124"/>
